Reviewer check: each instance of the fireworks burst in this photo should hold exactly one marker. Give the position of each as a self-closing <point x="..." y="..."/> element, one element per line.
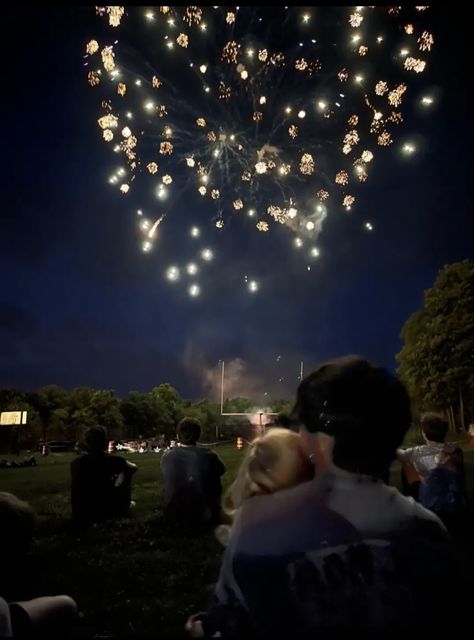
<point x="229" y="107"/>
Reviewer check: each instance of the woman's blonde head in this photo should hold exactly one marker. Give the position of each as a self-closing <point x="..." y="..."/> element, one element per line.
<point x="273" y="462"/>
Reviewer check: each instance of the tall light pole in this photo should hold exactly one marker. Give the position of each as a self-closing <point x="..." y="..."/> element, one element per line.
<point x="222" y="386"/>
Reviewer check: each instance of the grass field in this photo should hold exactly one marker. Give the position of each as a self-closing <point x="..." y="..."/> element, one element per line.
<point x="133" y="576"/>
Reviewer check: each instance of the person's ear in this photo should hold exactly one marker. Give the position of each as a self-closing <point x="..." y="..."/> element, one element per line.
<point x="318" y="448"/>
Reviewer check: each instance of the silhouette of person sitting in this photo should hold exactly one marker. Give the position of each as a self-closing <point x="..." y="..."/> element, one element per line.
<point x="101" y="483"/>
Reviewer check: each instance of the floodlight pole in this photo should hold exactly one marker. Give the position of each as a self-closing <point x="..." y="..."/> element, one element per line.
<point x="222" y="386"/>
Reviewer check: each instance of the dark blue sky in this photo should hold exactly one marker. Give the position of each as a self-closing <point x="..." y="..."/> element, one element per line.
<point x="81" y="305"/>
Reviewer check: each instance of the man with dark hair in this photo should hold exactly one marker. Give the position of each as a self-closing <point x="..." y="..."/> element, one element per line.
<point x="283" y="420"/>
<point x="192" y="478"/>
<point x="101" y="483"/>
<point x="440" y="468"/>
<point x="343" y="555"/>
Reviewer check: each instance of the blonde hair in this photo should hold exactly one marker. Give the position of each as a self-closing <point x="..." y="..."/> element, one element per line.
<point x="273" y="462"/>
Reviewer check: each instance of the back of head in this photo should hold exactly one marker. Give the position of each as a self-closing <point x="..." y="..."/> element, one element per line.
<point x="434" y="426"/>
<point x="17" y="524"/>
<point x="283" y="420"/>
<point x="96" y="439"/>
<point x="273" y="462"/>
<point x="365" y="408"/>
<point x="189" y="431"/>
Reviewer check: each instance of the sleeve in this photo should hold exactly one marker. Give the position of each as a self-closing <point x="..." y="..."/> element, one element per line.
<point x="5" y="620"/>
<point x="227" y="612"/>
<point x="406" y="456"/>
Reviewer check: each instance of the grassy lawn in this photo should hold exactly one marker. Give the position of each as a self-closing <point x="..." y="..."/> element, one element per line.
<point x="130" y="577"/>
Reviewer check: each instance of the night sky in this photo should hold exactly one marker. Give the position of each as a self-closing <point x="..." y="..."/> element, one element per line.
<point x="81" y="305"/>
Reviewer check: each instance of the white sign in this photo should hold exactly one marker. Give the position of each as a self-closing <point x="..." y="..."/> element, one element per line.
<point x="15" y="418"/>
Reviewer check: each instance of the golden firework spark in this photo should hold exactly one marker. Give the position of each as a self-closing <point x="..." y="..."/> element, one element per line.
<point x="395" y="96"/>
<point x="348" y="201"/>
<point x="182" y="40"/>
<point x="108" y="58"/>
<point x="346" y="149"/>
<point x="156" y="82"/>
<point x="230" y="17"/>
<point x="351" y="138"/>
<point x="257" y="116"/>
<point x="279" y="215"/>
<point x="415" y="64"/>
<point x="129" y="144"/>
<point x="384" y="139"/>
<point x="426" y="41"/>
<point x="211" y="136"/>
<point x="125" y="188"/>
<point x="192" y="14"/>
<point x="367" y="156"/>
<point x="229" y="52"/>
<point x="355" y="19"/>
<point x="167" y="179"/>
<point x="307" y="164"/>
<point x="353" y="121"/>
<point x="395" y="117"/>
<point x="301" y="64"/>
<point x="363" y="50"/>
<point x="341" y="177"/>
<point x="168" y="132"/>
<point x="166" y="148"/>
<point x="151" y="233"/>
<point x="108" y="121"/>
<point x="381" y="88"/>
<point x="215" y="194"/>
<point x="261" y="167"/>
<point x="323" y="195"/>
<point x="162" y="112"/>
<point x="262" y="55"/>
<point x="409" y="29"/>
<point x="238" y="204"/>
<point x="343" y="75"/>
<point x="152" y="167"/>
<point x="164" y="10"/>
<point x="293" y="131"/>
<point x="201" y="122"/>
<point x="421" y="8"/>
<point x="202" y="190"/>
<point x="246" y="176"/>
<point x="190" y="161"/>
<point x="93" y="78"/>
<point x="262" y="226"/>
<point x="115" y="15"/>
<point x="108" y="135"/>
<point x="225" y="92"/>
<point x="126" y="132"/>
<point x="277" y="59"/>
<point x="121" y="89"/>
<point x="92" y="47"/>
<point x="220" y="224"/>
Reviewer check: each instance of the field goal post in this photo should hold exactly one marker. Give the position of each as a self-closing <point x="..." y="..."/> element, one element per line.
<point x="262" y="413"/>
